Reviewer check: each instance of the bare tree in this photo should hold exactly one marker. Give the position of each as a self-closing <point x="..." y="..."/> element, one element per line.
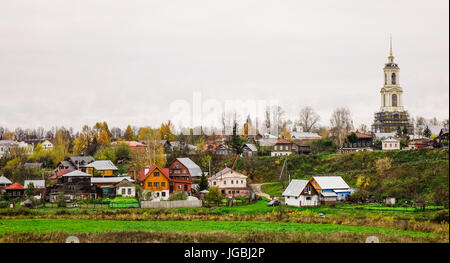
<point x="362" y="128"/>
<point x="341" y="125"/>
<point x="308" y="119"/>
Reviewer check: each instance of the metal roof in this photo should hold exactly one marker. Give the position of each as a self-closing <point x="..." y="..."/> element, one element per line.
<point x="267" y="142"/>
<point x="329" y="194"/>
<point x="252" y="147"/>
<point x="36" y="183"/>
<point x="109" y="180"/>
<point x="295" y="187"/>
<point x="76" y="173"/>
<point x="331" y="182"/>
<point x="194" y="169"/>
<point x="102" y="165"/>
<point x="4" y="180"/>
<point x="305" y="135"/>
<point x="226" y="171"/>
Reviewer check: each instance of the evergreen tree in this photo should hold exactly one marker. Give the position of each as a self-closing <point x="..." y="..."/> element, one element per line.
<point x="405" y="131"/>
<point x="203" y="184"/>
<point x="427" y="132"/>
<point x="129" y="134"/>
<point x="399" y="131"/>
<point x="236" y="142"/>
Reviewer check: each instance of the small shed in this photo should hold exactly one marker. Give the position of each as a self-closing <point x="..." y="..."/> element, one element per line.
<point x="328" y="198"/>
<point x="390" y="200"/>
<point x="4" y="182"/>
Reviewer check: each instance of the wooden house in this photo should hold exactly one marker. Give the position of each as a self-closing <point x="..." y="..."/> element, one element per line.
<point x="249" y="150"/>
<point x="301" y="193"/>
<point x="15" y="190"/>
<point x="182" y="172"/>
<point x="100" y="168"/>
<point x="74" y="185"/>
<point x="282" y="147"/>
<point x="331" y="184"/>
<point x="156" y="180"/>
<point x="107" y="186"/>
<point x="75" y="162"/>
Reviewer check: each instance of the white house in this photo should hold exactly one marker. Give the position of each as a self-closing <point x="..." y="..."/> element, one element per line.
<point x="230" y="182"/>
<point x="301" y="193"/>
<point x="37" y="184"/>
<point x="47" y="145"/>
<point x="126" y="189"/>
<point x="4" y="182"/>
<point x="390" y="144"/>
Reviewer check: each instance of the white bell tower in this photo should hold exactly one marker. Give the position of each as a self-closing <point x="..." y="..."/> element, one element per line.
<point x="391" y="93"/>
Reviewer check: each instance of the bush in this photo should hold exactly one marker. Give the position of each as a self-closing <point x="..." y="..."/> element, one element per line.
<point x="178" y="196"/>
<point x="441" y="216"/>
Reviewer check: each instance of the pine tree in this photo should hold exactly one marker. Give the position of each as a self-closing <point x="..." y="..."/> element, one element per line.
<point x="203" y="184"/>
<point x="129" y="134"/>
<point x="427" y="132"/>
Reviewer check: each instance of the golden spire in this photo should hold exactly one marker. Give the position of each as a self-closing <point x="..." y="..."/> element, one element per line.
<point x="390" y="49"/>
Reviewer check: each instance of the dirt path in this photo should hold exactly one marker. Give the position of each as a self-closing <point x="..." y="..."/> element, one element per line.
<point x="257" y="189"/>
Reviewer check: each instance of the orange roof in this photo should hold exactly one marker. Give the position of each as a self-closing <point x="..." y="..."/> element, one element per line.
<point x="60" y="173"/>
<point x="363" y="136"/>
<point x="143" y="175"/>
<point x="15" y="186"/>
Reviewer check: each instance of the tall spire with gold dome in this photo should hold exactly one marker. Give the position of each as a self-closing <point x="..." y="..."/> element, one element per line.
<point x="391" y="57"/>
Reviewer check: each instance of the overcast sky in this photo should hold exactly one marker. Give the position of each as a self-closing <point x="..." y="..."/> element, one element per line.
<point x="69" y="63"/>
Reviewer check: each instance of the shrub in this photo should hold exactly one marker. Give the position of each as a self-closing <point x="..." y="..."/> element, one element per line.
<point x="177" y="196"/>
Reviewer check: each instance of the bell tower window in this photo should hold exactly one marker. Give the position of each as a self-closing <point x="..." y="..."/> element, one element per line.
<point x="393" y="78"/>
<point x="394" y="100"/>
<point x="385" y="79"/>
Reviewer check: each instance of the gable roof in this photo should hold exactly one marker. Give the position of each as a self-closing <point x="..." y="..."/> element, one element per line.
<point x="295" y="187"/>
<point x="81" y="160"/>
<point x="143" y="174"/>
<point x="4" y="180"/>
<point x="15" y="186"/>
<point x="309" y="135"/>
<point x="251" y="146"/>
<point x="36" y="183"/>
<point x="267" y="142"/>
<point x="124" y="183"/>
<point x="76" y="173"/>
<point x="59" y="173"/>
<point x="110" y="180"/>
<point x="225" y="171"/>
<point x="331" y="182"/>
<point x="102" y="165"/>
<point x="283" y="141"/>
<point x="194" y="169"/>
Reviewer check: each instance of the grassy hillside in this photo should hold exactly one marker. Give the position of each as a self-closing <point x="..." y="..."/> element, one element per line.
<point x="418" y="175"/>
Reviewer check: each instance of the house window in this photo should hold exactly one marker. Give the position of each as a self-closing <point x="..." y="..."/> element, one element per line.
<point x="163" y="184"/>
<point x="156" y="184"/>
<point x="149" y="184"/>
<point x="214" y="183"/>
<point x="163" y="194"/>
<point x="179" y="186"/>
<point x="231" y="181"/>
<point x="308" y="198"/>
<point x="156" y="174"/>
<point x="123" y="191"/>
<point x="129" y="191"/>
<point x="224" y="182"/>
<point x="242" y="181"/>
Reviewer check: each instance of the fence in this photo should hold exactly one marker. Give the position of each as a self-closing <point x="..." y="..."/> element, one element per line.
<point x="171" y="204"/>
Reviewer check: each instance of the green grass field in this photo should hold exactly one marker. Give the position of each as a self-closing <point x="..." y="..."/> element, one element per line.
<point x="73" y="226"/>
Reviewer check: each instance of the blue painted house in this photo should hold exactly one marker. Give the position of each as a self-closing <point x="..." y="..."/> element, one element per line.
<point x="331" y="184"/>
